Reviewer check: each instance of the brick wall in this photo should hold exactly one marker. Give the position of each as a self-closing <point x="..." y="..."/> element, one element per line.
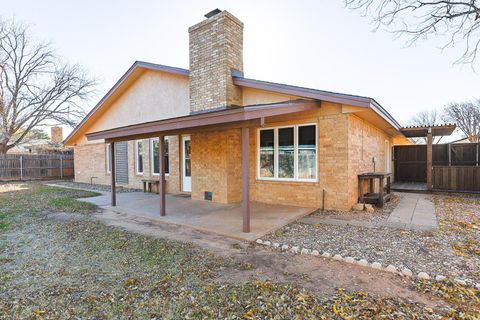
<point x="332" y="168"/>
<point x="216" y="165"/>
<point x="90" y="161"/>
<point x="216" y="46"/>
<point x="364" y="143"/>
<point x="346" y="145"/>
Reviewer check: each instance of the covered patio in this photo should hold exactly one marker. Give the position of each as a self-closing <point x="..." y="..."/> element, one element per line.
<point x="229" y="219"/>
<point x="223" y="219"/>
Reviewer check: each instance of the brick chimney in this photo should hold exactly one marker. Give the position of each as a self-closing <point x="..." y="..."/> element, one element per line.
<point x="216" y="46"/>
<point x="56" y="134"/>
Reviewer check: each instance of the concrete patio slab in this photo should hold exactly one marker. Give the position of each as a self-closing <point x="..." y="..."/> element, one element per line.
<point x="223" y="219"/>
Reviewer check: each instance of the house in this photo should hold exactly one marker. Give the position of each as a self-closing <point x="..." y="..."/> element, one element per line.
<point x="229" y="138"/>
<point x="40" y="143"/>
<point x="466" y="140"/>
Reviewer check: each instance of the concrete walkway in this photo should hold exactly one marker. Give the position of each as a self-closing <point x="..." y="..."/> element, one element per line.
<point x="415" y="211"/>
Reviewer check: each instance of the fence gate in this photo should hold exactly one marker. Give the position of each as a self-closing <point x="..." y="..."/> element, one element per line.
<point x="410" y="163"/>
<point x="455" y="166"/>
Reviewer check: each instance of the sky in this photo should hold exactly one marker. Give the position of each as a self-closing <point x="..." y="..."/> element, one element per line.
<point x="312" y="43"/>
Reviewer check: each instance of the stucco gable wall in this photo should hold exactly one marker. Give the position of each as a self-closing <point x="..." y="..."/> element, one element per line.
<point x="256" y="96"/>
<point x="153" y="96"/>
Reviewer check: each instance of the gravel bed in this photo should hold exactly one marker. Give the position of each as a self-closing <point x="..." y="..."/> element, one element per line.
<point x="94" y="187"/>
<point x="453" y="250"/>
<point x="380" y="214"/>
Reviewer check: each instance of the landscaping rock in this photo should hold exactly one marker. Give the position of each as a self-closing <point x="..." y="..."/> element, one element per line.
<point x="369" y="208"/>
<point x="362" y="235"/>
<point x="358" y="206"/>
<point x="284" y="247"/>
<point x="407" y="272"/>
<point x="305" y="251"/>
<point x="267" y="243"/>
<point x="337" y="257"/>
<point x="276" y="245"/>
<point x="391" y="268"/>
<point x="376" y="265"/>
<point x="349" y="260"/>
<point x="259" y="241"/>
<point x="423" y="275"/>
<point x="295" y="249"/>
<point x="440" y="278"/>
<point x="326" y="255"/>
<point x="362" y="262"/>
<point x="315" y="253"/>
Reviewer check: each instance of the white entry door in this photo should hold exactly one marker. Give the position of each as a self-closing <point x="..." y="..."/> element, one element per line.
<point x="186" y="172"/>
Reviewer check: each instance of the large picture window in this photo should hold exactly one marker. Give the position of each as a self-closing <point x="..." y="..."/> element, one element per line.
<point x="288" y="153"/>
<point x="139" y="156"/>
<point x="155" y="164"/>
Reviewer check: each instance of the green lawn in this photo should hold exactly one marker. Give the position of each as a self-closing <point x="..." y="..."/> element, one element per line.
<point x="75" y="267"/>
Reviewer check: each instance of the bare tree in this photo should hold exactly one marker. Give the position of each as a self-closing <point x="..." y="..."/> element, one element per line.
<point x="457" y="20"/>
<point x="35" y="86"/>
<point x="426" y="118"/>
<point x="466" y="115"/>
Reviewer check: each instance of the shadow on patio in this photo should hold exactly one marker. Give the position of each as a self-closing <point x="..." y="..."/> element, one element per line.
<point x="223" y="219"/>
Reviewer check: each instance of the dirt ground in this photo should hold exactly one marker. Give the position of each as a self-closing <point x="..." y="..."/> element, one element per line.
<point x="315" y="273"/>
<point x="63" y="258"/>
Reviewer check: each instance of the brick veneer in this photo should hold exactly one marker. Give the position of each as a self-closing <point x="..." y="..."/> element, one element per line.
<point x="216" y="46"/>
<point x="90" y="161"/>
<point x="346" y="145"/>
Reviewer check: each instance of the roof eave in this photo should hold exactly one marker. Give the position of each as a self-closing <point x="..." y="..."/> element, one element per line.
<point x="357" y="101"/>
<point x="213" y="118"/>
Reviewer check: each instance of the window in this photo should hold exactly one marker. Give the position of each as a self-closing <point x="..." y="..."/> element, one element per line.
<point x="307" y="152"/>
<point x="107" y="152"/>
<point x="154" y="157"/>
<point x="267" y="162"/>
<point x="288" y="153"/>
<point x="139" y="156"/>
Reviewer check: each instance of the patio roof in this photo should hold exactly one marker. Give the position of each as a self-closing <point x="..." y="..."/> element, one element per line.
<point x="422" y="131"/>
<point x="218" y="119"/>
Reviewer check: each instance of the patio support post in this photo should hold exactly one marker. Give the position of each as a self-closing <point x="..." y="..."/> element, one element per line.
<point x="161" y="165"/>
<point x="112" y="173"/>
<point x="429" y="159"/>
<point x="245" y="179"/>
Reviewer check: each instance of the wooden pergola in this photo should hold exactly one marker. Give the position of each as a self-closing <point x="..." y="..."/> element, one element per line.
<point x="429" y="132"/>
<point x="242" y="118"/>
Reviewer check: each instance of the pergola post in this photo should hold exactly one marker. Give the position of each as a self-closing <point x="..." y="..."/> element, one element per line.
<point x="161" y="167"/>
<point x="245" y="179"/>
<point x="429" y="159"/>
<point x="112" y="173"/>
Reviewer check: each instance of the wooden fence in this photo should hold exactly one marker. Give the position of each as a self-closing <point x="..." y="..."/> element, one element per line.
<point x="30" y="167"/>
<point x="456" y="178"/>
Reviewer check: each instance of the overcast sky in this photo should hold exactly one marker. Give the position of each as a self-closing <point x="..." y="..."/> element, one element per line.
<point x="318" y="44"/>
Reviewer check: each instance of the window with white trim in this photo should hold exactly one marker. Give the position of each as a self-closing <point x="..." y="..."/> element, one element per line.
<point x="288" y="153"/>
<point x="154" y="160"/>
<point x="107" y="158"/>
<point x="139" y="157"/>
